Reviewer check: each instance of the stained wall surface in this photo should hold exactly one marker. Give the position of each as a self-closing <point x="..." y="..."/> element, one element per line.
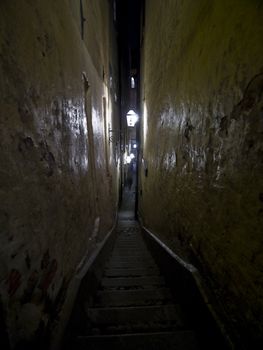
<point x="59" y="172"/>
<point x="201" y="170"/>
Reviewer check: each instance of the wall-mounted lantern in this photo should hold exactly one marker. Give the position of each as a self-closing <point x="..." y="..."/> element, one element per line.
<point x="132" y="118"/>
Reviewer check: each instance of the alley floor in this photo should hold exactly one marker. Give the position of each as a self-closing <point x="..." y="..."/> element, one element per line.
<point x="133" y="307"/>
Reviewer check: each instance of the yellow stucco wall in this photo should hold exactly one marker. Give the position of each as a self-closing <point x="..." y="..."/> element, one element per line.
<point x="58" y="192"/>
<point x="202" y="141"/>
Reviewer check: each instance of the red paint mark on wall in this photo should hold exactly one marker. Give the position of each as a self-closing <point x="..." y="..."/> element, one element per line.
<point x="45" y="261"/>
<point x="31" y="283"/>
<point x="14" y="281"/>
<point x="48" y="277"/>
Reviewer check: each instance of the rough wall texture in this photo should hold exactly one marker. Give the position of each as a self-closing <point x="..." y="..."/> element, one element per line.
<point x="58" y="174"/>
<point x="202" y="143"/>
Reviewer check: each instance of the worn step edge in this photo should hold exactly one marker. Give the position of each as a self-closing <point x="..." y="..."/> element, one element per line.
<point x="131" y="261"/>
<point x="128" y="257"/>
<point x="125" y="258"/>
<point x="179" y="340"/>
<point x="131" y="264"/>
<point x="152" y="267"/>
<point x="131" y="272"/>
<point x="142" y="327"/>
<point x="132" y="297"/>
<point x="132" y="281"/>
<point x="170" y="313"/>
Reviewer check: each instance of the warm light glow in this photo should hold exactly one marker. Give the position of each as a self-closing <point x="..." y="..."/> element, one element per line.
<point x="145" y="123"/>
<point x="132" y="83"/>
<point x="132" y="118"/>
<point x="128" y="158"/>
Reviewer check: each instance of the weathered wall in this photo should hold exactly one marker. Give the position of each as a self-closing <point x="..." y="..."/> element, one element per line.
<point x="58" y="177"/>
<point x="202" y="133"/>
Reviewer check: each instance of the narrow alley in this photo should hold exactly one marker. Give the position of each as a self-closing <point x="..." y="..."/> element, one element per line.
<point x="133" y="307"/>
<point x="131" y="163"/>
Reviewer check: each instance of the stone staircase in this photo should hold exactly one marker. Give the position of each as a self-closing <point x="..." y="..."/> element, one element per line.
<point x="133" y="307"/>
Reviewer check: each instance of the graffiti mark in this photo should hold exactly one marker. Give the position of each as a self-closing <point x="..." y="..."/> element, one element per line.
<point x="48" y="277"/>
<point x="14" y="281"/>
<point x="47" y="158"/>
<point x="60" y="298"/>
<point x="25" y="144"/>
<point x="31" y="283"/>
<point x="45" y="260"/>
<point x="28" y="261"/>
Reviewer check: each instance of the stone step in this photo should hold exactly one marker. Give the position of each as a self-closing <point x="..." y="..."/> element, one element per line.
<point x="135" y="239"/>
<point x="144" y="281"/>
<point x="179" y="340"/>
<point x="130" y="246"/>
<point x="134" y="265"/>
<point x="133" y="297"/>
<point x="145" y="317"/>
<point x="134" y="246"/>
<point x="130" y="255"/>
<point x="123" y="259"/>
<point x="131" y="236"/>
<point x="125" y="272"/>
<point x="129" y="252"/>
<point x="130" y="258"/>
<point x="126" y="260"/>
